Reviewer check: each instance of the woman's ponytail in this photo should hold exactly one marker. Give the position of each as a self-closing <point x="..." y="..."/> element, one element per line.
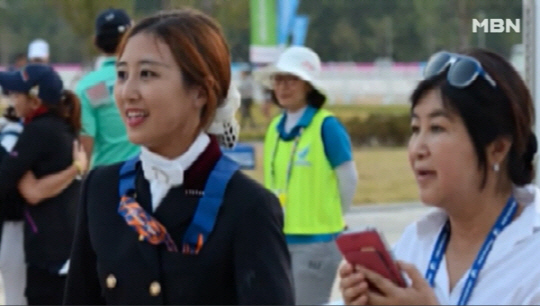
<point x="70" y="109"/>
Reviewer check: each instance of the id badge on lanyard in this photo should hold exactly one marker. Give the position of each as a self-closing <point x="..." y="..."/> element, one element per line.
<point x="505" y="218"/>
<point x="282" y="194"/>
<point x="282" y="199"/>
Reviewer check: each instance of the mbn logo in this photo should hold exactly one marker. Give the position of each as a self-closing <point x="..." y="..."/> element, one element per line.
<point x="496" y="25"/>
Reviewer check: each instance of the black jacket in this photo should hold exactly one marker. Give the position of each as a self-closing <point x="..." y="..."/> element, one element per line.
<point x="244" y="261"/>
<point x="45" y="146"/>
<point x="15" y="209"/>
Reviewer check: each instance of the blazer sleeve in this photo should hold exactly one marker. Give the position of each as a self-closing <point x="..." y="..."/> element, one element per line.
<point x="27" y="151"/>
<point x="262" y="260"/>
<point x="82" y="286"/>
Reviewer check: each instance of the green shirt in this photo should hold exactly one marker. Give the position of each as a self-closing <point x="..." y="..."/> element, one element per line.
<point x="100" y="117"/>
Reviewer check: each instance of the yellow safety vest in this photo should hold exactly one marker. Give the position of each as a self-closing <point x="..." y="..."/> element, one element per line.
<point x="299" y="173"/>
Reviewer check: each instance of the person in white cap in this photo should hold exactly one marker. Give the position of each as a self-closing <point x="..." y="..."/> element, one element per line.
<point x="308" y="164"/>
<point x="38" y="51"/>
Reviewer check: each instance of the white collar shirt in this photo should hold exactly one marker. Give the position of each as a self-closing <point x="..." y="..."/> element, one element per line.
<point x="164" y="174"/>
<point x="511" y="274"/>
<point x="292" y="118"/>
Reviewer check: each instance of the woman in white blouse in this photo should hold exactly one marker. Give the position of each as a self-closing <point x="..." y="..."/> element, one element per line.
<point x="471" y="151"/>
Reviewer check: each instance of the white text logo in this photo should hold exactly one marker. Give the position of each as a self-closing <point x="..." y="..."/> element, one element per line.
<point x="497" y="25"/>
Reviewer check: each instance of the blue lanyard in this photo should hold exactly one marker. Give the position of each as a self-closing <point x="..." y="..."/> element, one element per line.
<point x="291" y="159"/>
<point x="504" y="219"/>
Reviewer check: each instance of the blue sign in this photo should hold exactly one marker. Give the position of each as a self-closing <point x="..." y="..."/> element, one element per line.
<point x="299" y="30"/>
<point x="286" y="14"/>
<point x="243" y="154"/>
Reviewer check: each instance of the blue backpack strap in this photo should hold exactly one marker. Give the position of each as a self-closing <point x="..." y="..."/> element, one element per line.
<point x="128" y="172"/>
<point x="208" y="208"/>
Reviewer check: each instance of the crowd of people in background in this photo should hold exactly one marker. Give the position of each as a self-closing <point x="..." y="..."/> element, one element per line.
<point x="119" y="193"/>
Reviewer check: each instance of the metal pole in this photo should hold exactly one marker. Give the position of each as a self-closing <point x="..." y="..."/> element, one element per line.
<point x="482" y="34"/>
<point x="531" y="37"/>
<point x="390" y="29"/>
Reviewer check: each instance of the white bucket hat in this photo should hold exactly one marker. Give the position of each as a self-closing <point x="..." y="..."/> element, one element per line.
<point x="296" y="60"/>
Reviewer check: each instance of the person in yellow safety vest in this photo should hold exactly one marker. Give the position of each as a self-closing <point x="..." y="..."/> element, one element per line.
<point x="308" y="164"/>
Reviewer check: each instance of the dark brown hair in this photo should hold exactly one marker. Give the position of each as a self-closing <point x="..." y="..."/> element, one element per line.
<point x="10" y="114"/>
<point x="199" y="48"/>
<point x="69" y="109"/>
<point x="489" y="113"/>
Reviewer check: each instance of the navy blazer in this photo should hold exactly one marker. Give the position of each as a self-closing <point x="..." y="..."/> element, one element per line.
<point x="244" y="261"/>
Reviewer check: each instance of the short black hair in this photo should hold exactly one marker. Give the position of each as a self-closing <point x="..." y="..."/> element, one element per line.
<point x="108" y="42"/>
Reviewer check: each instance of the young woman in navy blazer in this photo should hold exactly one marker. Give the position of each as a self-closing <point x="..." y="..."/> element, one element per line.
<point x="178" y="224"/>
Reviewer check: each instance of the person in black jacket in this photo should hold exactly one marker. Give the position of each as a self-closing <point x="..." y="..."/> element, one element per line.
<point x="179" y="224"/>
<point x="45" y="147"/>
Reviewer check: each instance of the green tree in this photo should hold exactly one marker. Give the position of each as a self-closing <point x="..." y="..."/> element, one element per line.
<point x="339" y="30"/>
<point x="23" y="21"/>
<point x="233" y="15"/>
<point x="81" y="15"/>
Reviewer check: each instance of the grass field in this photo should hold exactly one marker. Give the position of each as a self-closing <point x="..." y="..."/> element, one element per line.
<point x="384" y="175"/>
<point x="341" y="111"/>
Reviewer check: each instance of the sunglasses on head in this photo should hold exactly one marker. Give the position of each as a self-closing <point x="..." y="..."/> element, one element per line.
<point x="462" y="69"/>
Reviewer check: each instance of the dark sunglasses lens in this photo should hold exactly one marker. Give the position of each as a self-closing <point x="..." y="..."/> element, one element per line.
<point x="436" y="64"/>
<point x="463" y="72"/>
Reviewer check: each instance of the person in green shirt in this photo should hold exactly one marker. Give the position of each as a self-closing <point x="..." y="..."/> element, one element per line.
<point x="104" y="135"/>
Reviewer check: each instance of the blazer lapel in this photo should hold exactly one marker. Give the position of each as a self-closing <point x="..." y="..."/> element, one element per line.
<point x="176" y="209"/>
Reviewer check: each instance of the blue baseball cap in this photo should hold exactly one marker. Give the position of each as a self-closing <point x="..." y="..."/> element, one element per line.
<point x="38" y="79"/>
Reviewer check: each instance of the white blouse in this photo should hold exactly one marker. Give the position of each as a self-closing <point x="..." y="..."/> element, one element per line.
<point x="292" y="118"/>
<point x="511" y="274"/>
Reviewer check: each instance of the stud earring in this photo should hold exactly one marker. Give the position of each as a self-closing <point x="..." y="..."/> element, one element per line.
<point x="496" y="167"/>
